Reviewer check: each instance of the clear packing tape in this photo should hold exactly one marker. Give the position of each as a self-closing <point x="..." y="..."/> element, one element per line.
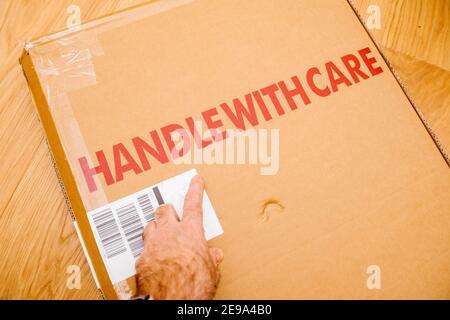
<point x="64" y="63"/>
<point x="64" y="60"/>
<point x="67" y="64"/>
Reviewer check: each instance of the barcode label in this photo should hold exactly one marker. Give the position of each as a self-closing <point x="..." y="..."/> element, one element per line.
<point x="132" y="227"/>
<point x="146" y="207"/>
<point x="109" y="234"/>
<point x="118" y="226"/>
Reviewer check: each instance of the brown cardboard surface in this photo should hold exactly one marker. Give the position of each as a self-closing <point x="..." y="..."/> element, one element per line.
<point x="355" y="188"/>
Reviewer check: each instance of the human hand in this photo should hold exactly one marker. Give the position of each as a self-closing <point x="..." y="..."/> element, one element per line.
<point x="177" y="262"/>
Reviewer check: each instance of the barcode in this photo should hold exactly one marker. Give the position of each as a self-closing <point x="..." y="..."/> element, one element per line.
<point x="132" y="227"/>
<point x="146" y="207"/>
<point x="109" y="233"/>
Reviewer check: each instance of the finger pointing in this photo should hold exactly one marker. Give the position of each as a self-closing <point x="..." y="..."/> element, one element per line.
<point x="194" y="198"/>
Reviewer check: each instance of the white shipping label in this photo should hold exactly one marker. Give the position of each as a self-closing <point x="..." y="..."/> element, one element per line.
<point x="118" y="226"/>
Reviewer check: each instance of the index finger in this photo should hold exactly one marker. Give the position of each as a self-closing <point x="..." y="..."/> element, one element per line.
<point x="193" y="201"/>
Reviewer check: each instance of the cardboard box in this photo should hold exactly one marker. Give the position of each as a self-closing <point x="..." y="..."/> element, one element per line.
<point x="358" y="186"/>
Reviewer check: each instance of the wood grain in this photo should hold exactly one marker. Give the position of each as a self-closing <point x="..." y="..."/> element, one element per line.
<point x="415" y="37"/>
<point x="38" y="240"/>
